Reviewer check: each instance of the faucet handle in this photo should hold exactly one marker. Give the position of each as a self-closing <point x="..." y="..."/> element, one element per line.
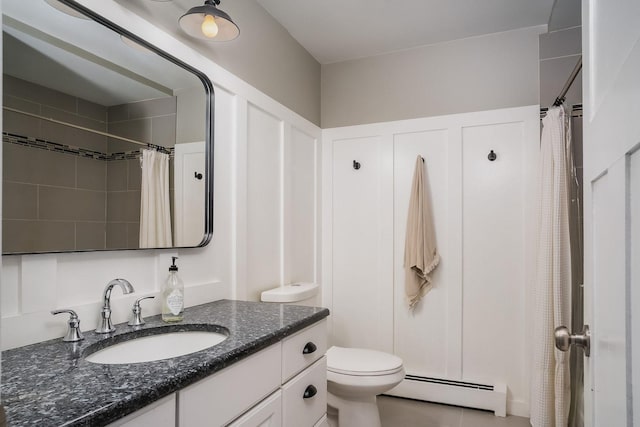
<point x="136" y="313"/>
<point x="73" y="332"/>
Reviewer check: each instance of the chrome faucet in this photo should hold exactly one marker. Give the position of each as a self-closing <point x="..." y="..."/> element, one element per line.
<point x="74" y="333"/>
<point x="105" y="325"/>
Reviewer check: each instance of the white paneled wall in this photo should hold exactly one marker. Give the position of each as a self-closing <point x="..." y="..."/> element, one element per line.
<point x="361" y="244"/>
<point x="282" y="203"/>
<point x="302" y="207"/>
<point x="493" y="255"/>
<point x="472" y="325"/>
<point x="266" y="211"/>
<point x="264" y="202"/>
<point x="421" y="348"/>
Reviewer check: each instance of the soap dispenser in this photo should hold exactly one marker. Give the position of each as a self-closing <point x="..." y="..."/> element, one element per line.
<point x="173" y="295"/>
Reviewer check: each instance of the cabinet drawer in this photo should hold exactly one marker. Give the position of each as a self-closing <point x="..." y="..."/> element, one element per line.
<point x="301" y="411"/>
<point x="223" y="396"/>
<point x="267" y="413"/>
<point x="302" y="349"/>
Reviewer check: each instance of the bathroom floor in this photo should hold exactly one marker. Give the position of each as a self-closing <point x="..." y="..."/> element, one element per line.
<point x="396" y="412"/>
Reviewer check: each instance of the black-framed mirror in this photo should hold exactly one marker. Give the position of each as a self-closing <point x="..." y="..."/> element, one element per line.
<point x="107" y="140"/>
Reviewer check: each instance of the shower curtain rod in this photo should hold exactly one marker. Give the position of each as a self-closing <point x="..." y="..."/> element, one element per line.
<point x="576" y="111"/>
<point x="572" y="77"/>
<point x="109" y="135"/>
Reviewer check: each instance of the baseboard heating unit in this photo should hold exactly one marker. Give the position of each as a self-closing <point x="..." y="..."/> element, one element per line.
<point x="459" y="393"/>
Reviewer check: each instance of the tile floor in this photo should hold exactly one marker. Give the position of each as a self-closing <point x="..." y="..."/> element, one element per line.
<point x="396" y="412"/>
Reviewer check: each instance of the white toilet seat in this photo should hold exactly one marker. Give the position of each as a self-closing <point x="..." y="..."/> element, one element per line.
<point x="362" y="362"/>
<point x="357" y="373"/>
<point x="362" y="385"/>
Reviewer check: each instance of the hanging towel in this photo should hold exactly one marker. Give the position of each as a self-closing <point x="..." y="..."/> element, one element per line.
<point x="420" y="253"/>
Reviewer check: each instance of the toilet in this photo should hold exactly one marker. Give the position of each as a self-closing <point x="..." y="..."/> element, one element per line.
<point x="355" y="376"/>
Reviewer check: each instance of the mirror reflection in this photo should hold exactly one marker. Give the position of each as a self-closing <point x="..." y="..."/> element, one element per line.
<point x="105" y="142"/>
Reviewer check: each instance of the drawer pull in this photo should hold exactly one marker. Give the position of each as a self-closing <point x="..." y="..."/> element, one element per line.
<point x="309" y="348"/>
<point x="309" y="392"/>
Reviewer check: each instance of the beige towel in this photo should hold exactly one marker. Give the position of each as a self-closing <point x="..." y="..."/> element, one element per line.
<point x="420" y="253"/>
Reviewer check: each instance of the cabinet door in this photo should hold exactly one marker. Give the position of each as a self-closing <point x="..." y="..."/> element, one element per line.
<point x="304" y="398"/>
<point x="267" y="413"/>
<point x="223" y="396"/>
<point x="159" y="414"/>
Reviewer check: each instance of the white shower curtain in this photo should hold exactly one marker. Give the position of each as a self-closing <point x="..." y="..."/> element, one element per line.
<point x="550" y="385"/>
<point x="155" y="212"/>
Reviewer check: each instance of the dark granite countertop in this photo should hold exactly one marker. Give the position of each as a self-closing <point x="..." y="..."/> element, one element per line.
<point x="50" y="384"/>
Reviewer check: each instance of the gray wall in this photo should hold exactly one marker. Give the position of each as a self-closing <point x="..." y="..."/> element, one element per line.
<point x="559" y="52"/>
<point x="481" y="73"/>
<point x="191" y="112"/>
<point x="265" y="55"/>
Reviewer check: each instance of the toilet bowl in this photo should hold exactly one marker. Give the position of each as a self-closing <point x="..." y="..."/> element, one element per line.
<point x="355" y="376"/>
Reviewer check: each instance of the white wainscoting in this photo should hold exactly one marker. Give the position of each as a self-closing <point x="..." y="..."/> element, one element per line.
<point x="282" y="203"/>
<point x="473" y="325"/>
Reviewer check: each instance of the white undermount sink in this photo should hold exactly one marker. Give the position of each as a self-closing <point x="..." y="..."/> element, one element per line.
<point x="156" y="347"/>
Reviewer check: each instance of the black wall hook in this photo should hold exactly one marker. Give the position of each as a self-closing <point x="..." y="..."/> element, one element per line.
<point x="492" y="156"/>
<point x="197" y="175"/>
<point x="356" y="165"/>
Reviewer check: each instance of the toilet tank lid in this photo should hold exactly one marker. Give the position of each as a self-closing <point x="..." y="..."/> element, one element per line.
<point x="294" y="292"/>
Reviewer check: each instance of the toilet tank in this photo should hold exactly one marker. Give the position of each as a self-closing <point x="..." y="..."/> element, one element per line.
<point x="294" y="293"/>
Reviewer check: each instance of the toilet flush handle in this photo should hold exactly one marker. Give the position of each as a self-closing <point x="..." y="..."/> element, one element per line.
<point x="309" y="348"/>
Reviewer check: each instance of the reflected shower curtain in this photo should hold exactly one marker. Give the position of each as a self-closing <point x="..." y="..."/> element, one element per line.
<point x="155" y="211"/>
<point x="550" y="385"/>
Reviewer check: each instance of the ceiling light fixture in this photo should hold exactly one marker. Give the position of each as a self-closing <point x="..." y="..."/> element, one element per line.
<point x="207" y="22"/>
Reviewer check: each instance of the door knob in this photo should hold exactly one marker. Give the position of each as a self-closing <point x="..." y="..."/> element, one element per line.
<point x="564" y="339"/>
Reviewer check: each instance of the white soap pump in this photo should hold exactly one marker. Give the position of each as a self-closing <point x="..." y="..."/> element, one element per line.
<point x="173" y="295"/>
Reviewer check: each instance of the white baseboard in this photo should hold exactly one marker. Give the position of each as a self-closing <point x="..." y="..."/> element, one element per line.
<point x="492" y="400"/>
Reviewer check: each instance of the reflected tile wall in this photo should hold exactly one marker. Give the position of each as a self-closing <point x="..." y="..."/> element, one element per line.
<point x="45" y="192"/>
<point x="32" y="98"/>
<point x="52" y="201"/>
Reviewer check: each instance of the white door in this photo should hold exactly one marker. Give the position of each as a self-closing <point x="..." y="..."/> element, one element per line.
<point x="189" y="190"/>
<point x="611" y="37"/>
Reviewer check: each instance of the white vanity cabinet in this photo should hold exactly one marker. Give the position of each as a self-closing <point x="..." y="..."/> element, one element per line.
<point x="284" y="385"/>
